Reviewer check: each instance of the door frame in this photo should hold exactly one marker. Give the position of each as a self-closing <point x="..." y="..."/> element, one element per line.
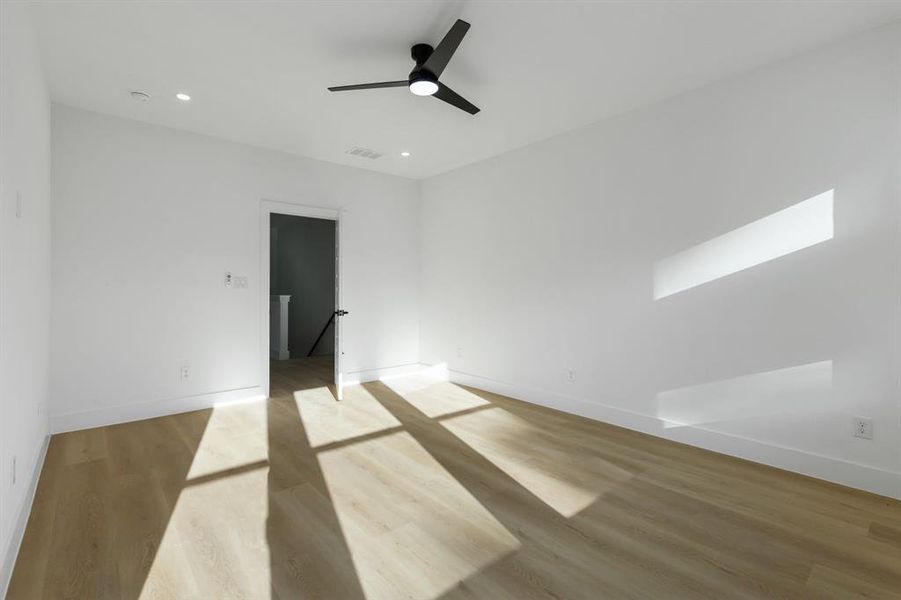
<point x="270" y="207"/>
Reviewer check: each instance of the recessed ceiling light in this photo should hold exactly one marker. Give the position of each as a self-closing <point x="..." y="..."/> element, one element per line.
<point x="183" y="96"/>
<point x="140" y="96"/>
<point x="405" y="154"/>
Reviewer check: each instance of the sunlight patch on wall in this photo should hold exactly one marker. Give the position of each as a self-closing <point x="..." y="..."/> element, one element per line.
<point x="414" y="532"/>
<point x="803" y="388"/>
<point x="794" y="228"/>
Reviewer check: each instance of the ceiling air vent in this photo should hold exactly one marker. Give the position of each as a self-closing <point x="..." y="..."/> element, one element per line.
<point x="364" y="153"/>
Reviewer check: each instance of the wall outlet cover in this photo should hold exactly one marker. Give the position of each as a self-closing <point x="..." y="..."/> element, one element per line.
<point x="863" y="428"/>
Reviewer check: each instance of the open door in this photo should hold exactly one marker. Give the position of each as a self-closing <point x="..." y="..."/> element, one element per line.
<point x="268" y="208"/>
<point x="339" y="317"/>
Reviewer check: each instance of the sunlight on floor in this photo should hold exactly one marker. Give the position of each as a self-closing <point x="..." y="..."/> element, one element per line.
<point x="434" y="396"/>
<point x="415" y="531"/>
<point x="167" y="577"/>
<point x="412" y="530"/>
<point x="416" y="380"/>
<point x="234" y="436"/>
<point x="543" y="466"/>
<point x="221" y="525"/>
<point x="327" y="421"/>
<point x="219" y="517"/>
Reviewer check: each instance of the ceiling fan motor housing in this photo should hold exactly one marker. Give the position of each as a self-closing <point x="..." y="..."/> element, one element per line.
<point x="420" y="54"/>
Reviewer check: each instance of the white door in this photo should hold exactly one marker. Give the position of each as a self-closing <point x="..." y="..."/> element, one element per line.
<point x="339" y="316"/>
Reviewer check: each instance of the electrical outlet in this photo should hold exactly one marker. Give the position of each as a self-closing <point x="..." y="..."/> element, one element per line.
<point x="570" y="375"/>
<point x="863" y="428"/>
<point x="184" y="373"/>
<point x="459" y="352"/>
<point x="228" y="279"/>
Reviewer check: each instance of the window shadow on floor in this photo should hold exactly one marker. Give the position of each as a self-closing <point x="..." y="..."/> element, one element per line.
<point x="664" y="519"/>
<point x="102" y="507"/>
<point x="433" y="491"/>
<point x="308" y="554"/>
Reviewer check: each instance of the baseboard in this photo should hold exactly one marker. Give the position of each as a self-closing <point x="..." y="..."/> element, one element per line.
<point x="365" y="375"/>
<point x="113" y="415"/>
<point x="148" y="410"/>
<point x="855" y="475"/>
<point x="18" y="530"/>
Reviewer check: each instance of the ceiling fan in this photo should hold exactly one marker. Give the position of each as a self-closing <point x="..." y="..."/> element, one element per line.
<point x="430" y="63"/>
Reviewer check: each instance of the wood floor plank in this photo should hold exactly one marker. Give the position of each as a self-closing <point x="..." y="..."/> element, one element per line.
<point x="28" y="578"/>
<point x="885" y="533"/>
<point x="82" y="560"/>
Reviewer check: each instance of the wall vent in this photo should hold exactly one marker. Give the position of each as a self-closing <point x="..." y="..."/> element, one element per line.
<point x="364" y="153"/>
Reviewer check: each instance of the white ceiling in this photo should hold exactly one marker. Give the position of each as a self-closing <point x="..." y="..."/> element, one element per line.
<point x="258" y="71"/>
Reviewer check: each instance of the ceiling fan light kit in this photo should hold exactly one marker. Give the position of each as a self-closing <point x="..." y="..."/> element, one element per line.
<point x="424" y="78"/>
<point x="423" y="83"/>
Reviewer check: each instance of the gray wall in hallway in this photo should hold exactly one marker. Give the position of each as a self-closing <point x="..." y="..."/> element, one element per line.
<point x="303" y="265"/>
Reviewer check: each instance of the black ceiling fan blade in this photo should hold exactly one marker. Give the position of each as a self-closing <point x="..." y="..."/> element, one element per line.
<point x="370" y="86"/>
<point x="445" y="50"/>
<point x="455" y="99"/>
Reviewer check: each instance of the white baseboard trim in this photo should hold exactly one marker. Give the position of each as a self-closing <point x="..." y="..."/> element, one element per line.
<point x="365" y="375"/>
<point x="113" y="415"/>
<point x="855" y="475"/>
<point x="147" y="410"/>
<point x="18" y="531"/>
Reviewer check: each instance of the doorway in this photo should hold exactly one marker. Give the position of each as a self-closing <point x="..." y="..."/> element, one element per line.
<point x="301" y="316"/>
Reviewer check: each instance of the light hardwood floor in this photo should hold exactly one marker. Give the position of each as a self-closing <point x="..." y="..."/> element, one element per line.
<point x="418" y="489"/>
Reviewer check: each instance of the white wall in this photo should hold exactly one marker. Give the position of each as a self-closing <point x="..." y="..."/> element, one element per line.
<point x="146" y="222"/>
<point x="24" y="272"/>
<point x="303" y="266"/>
<point x="543" y="260"/>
